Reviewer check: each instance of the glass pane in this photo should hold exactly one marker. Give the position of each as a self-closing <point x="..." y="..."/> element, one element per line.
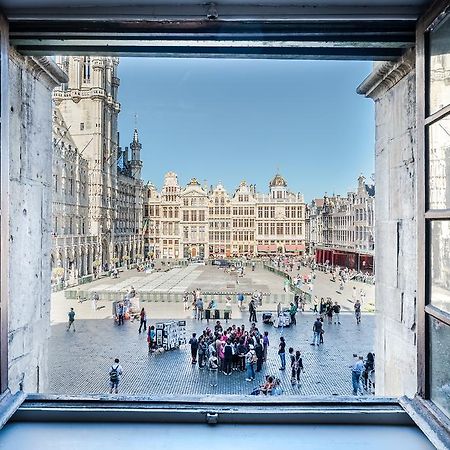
<point x="440" y="66"/>
<point x="440" y="364"/>
<point x="440" y="264"/>
<point x="439" y="164"/>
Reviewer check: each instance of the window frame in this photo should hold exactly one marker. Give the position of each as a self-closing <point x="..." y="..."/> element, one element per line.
<point x="4" y="202"/>
<point x="425" y="215"/>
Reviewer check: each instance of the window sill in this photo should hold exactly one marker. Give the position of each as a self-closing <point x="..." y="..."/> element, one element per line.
<point x="432" y="422"/>
<point x="220" y="408"/>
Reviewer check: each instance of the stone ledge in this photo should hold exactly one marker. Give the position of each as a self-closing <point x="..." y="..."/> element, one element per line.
<point x="387" y="75"/>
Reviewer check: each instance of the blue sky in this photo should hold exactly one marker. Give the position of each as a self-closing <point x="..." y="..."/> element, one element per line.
<point x="229" y="120"/>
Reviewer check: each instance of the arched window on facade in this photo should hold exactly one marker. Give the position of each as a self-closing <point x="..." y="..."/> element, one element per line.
<point x="86" y="69"/>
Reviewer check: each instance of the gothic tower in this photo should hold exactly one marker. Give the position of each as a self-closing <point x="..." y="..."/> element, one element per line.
<point x="89" y="106"/>
<point x="135" y="161"/>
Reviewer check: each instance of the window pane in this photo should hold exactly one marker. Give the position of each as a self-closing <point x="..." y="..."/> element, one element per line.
<point x="440" y="66"/>
<point x="440" y="264"/>
<point x="439" y="164"/>
<point x="440" y="364"/>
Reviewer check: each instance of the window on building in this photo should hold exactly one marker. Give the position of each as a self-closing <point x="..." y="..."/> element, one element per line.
<point x="86" y="69"/>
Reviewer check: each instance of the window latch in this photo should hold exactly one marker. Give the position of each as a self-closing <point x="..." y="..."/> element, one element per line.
<point x="212" y="418"/>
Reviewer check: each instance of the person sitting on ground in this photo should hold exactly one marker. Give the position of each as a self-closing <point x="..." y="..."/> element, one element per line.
<point x="277" y="389"/>
<point x="267" y="386"/>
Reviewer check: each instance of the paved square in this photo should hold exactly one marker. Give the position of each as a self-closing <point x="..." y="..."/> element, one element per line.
<point x="79" y="361"/>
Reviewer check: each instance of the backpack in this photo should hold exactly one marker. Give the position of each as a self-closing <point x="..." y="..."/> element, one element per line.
<point x="114" y="374"/>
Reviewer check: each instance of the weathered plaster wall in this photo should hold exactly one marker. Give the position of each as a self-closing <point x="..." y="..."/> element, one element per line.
<point x="31" y="83"/>
<point x="393" y="87"/>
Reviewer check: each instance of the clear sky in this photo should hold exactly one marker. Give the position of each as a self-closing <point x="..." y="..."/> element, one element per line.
<point x="224" y="120"/>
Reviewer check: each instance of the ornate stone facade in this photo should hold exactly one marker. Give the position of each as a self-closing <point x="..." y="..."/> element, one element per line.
<point x="342" y="229"/>
<point x="200" y="222"/>
<point x="98" y="192"/>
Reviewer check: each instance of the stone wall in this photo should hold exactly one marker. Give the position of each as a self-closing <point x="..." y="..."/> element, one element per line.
<point x="393" y="88"/>
<point x="30" y="126"/>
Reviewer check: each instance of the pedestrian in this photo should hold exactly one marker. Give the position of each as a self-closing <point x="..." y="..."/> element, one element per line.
<point x="143" y="320"/>
<point x="186" y="301"/>
<point x="120" y="313"/>
<point x="213" y="368"/>
<point x="322" y="331"/>
<point x="194" y="307"/>
<point x="336" y="311"/>
<point x="292" y="312"/>
<point x="242" y="351"/>
<point x="330" y="314"/>
<point x="250" y="360"/>
<point x="193" y="342"/>
<point x="369" y="367"/>
<point x="317" y="328"/>
<point x="357" y="307"/>
<point x="259" y="351"/>
<point x="297" y="367"/>
<point x="322" y="306"/>
<point x="296" y="299"/>
<point x="202" y="350"/>
<point x="115" y="375"/>
<point x="240" y="298"/>
<point x="95" y="299"/>
<point x="282" y="353"/>
<point x="357" y="371"/>
<point x="291" y="357"/>
<point x="227" y="357"/>
<point x="252" y="310"/>
<point x="71" y="315"/>
<point x="265" y="344"/>
<point x="151" y="338"/>
<point x="315" y="303"/>
<point x="199" y="306"/>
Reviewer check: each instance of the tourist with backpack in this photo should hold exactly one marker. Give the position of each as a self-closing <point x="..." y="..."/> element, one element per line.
<point x="115" y="374"/>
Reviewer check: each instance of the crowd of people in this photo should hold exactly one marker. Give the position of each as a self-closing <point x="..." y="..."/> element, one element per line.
<point x="238" y="349"/>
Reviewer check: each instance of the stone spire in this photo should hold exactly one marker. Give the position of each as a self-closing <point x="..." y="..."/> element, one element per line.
<point x="135" y="161"/>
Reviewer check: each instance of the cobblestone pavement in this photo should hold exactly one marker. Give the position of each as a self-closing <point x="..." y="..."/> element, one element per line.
<point x="79" y="361"/>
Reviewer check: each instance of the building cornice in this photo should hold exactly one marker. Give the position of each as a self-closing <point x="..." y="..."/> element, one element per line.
<point x="42" y="68"/>
<point x="386" y="75"/>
